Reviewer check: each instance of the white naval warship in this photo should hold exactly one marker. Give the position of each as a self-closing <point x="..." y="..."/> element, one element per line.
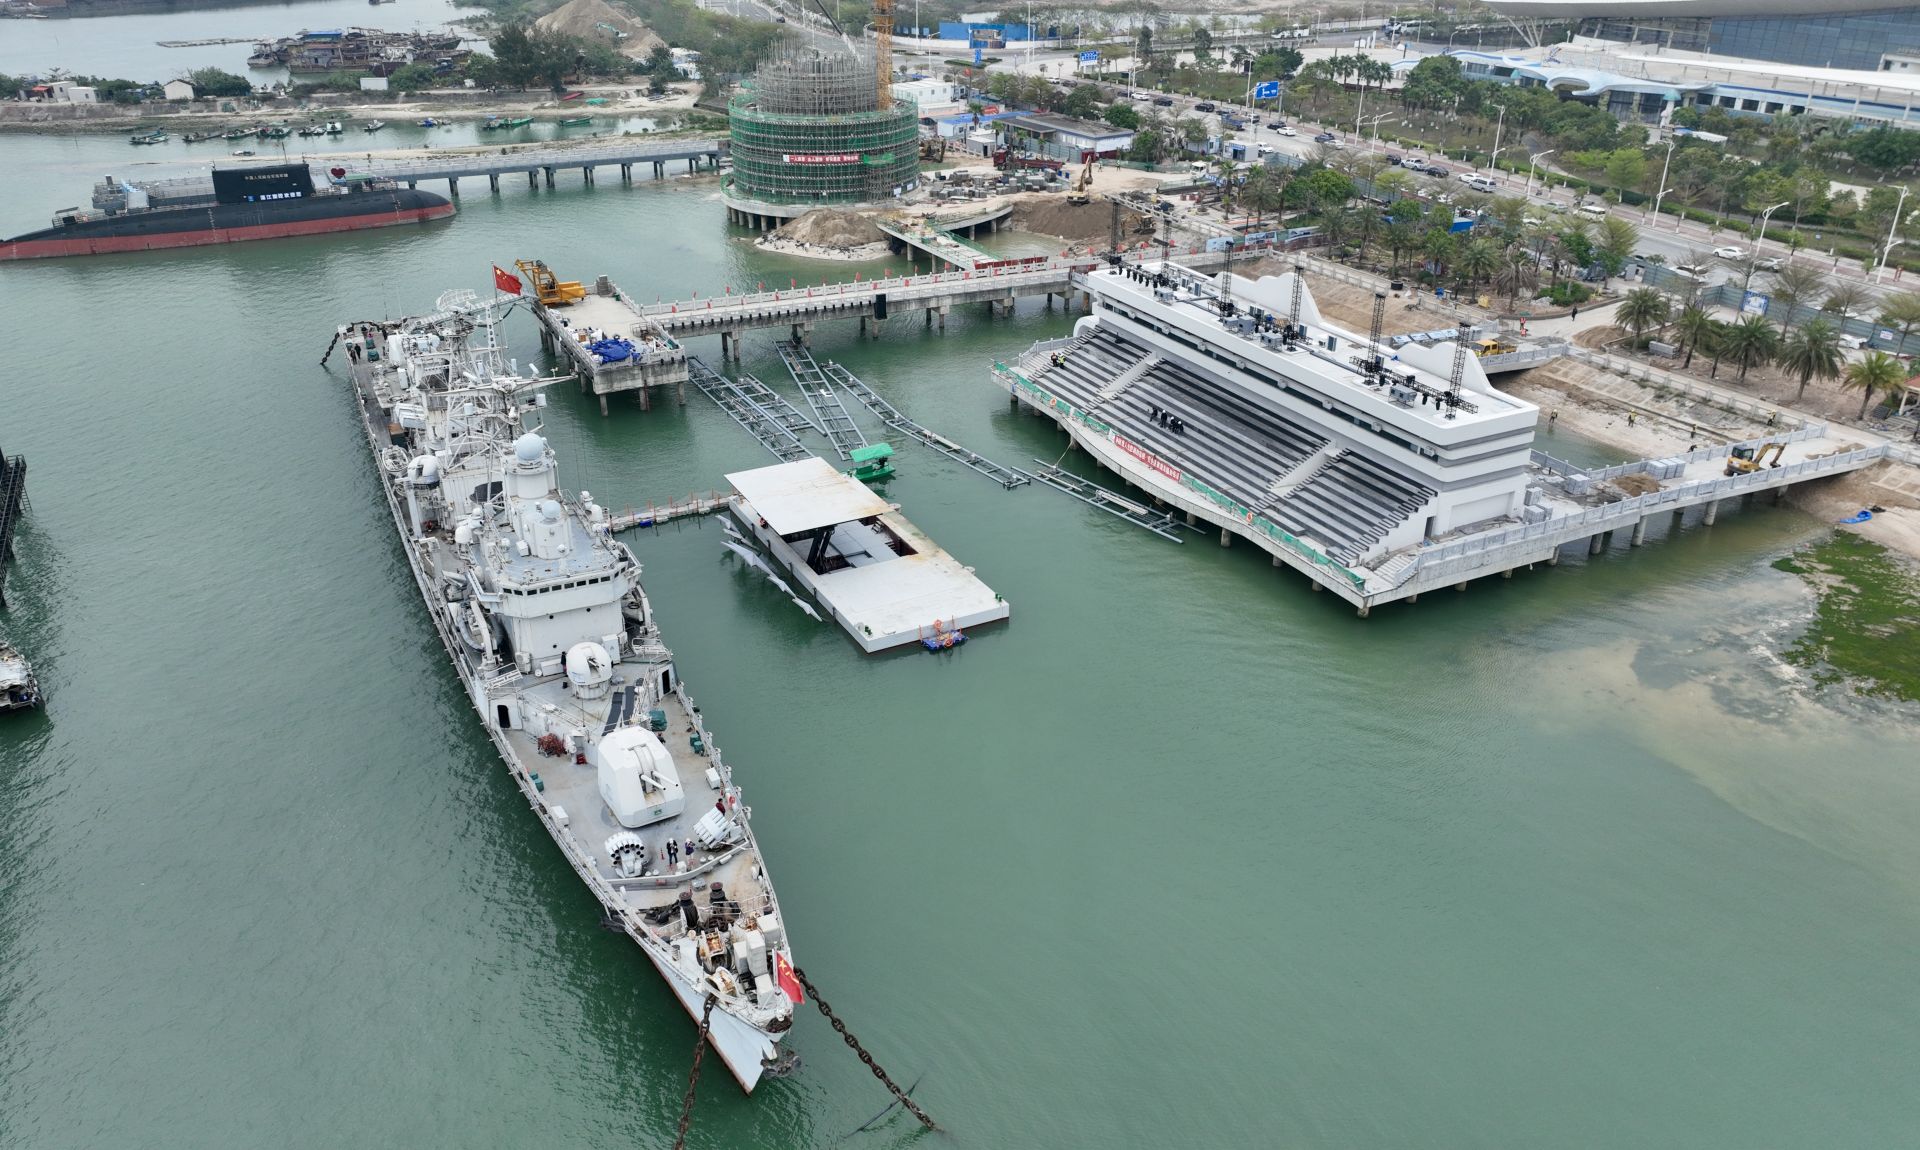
<point x="549" y="629"/>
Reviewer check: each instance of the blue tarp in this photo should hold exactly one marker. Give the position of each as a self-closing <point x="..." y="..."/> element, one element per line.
<point x="1859" y="517"/>
<point x="612" y="350"/>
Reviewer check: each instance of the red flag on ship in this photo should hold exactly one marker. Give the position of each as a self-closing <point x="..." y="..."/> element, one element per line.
<point x="505" y="281"/>
<point x="783" y="972"/>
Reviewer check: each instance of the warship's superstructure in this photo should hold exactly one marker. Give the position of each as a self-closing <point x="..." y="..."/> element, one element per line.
<point x="555" y="641"/>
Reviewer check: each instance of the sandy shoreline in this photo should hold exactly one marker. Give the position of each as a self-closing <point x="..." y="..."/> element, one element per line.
<point x="786" y="247"/>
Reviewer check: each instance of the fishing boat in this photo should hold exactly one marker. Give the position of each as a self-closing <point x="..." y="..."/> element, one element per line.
<point x="310" y="130"/>
<point x="275" y="132"/>
<point x="541" y="609"/>
<point x="373" y="125"/>
<point x="242" y="152"/>
<point x="238" y="133"/>
<point x="332" y="128"/>
<point x="155" y="137"/>
<point x="518" y="122"/>
<point x="19" y="691"/>
<point x="576" y="121"/>
<point x="197" y="137"/>
<point x="430" y="122"/>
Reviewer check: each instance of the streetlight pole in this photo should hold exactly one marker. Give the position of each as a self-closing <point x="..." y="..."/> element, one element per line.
<point x="1759" y="241"/>
<point x="1657" y="196"/>
<point x="1531" y="161"/>
<point x="1375" y="121"/>
<point x="1881" y="271"/>
<point x="1498" y="129"/>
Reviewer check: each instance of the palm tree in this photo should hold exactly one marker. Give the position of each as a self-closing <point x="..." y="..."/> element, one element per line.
<point x="1643" y="308"/>
<point x="1438" y="246"/>
<point x="1716" y="342"/>
<point x="1813" y="351"/>
<point x="1901" y="311"/>
<point x="1615" y="244"/>
<point x="1793" y="286"/>
<point x="1749" y="340"/>
<point x="1478" y="260"/>
<point x="1876" y="374"/>
<point x="1695" y="325"/>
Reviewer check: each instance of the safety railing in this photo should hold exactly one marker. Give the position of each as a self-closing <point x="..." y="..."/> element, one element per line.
<point x="1441" y="557"/>
<point x="1718" y="397"/>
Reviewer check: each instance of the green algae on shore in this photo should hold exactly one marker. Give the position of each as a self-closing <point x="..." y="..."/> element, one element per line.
<point x="1864" y="629"/>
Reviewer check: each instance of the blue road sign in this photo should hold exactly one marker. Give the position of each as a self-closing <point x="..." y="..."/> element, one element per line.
<point x="1089" y="57"/>
<point x="1266" y="90"/>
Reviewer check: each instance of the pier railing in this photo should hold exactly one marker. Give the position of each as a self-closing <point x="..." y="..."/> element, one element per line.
<point x="1015" y="381"/>
<point x="1717" y="396"/>
<point x="1445" y="558"/>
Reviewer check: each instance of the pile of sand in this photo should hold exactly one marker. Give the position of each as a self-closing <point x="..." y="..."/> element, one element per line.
<point x="1052" y="215"/>
<point x="590" y="19"/>
<point x="826" y="228"/>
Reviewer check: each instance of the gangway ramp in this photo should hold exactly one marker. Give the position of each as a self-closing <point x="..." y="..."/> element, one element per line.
<point x="829" y="414"/>
<point x="1106" y="499"/>
<point x="774" y="433"/>
<point x="1008" y="477"/>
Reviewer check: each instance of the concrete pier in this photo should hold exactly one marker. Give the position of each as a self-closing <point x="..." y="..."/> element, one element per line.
<point x="658" y="360"/>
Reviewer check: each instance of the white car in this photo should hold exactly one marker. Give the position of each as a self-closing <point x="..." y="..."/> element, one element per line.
<point x="1265" y="148"/>
<point x="1288" y="132"/>
<point x="1729" y="252"/>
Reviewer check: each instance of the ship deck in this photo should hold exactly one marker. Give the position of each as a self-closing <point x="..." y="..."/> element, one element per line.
<point x="575" y="788"/>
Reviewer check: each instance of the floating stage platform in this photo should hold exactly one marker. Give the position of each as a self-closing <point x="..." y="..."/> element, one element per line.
<point x="879" y="576"/>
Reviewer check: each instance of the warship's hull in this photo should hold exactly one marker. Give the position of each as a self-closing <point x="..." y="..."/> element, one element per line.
<point x="747" y="1049"/>
<point x="213" y="223"/>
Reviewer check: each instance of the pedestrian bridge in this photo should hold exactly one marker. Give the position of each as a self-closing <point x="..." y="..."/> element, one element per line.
<point x="623" y="153"/>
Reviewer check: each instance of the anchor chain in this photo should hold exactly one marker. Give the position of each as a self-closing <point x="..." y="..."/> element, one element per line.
<point x="693" y="1078"/>
<point x="841" y="1028"/>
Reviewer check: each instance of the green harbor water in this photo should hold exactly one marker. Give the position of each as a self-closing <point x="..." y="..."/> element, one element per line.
<point x="1184" y="855"/>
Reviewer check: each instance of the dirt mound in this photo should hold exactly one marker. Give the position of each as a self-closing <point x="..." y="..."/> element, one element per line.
<point x="824" y="227"/>
<point x="1599" y="336"/>
<point x="1635" y="483"/>
<point x="1051" y="215"/>
<point x="590" y="19"/>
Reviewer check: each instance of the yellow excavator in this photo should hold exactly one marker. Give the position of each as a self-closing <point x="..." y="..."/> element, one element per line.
<point x="1746" y="460"/>
<point x="1081" y="183"/>
<point x="548" y="288"/>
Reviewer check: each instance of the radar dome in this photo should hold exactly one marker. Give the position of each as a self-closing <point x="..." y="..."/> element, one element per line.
<point x="529" y="448"/>
<point x="550" y="510"/>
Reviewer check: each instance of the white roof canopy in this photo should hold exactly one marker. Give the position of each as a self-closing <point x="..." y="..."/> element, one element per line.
<point x="805" y="495"/>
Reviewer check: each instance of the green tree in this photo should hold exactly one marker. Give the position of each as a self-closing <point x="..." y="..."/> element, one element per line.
<point x="1202" y="46"/>
<point x="1122" y="116"/>
<point x="1642" y="309"/>
<point x="1478" y="260"/>
<point x="1694" y="325"/>
<point x="1148" y="146"/>
<point x="1793" y="287"/>
<point x="1614" y="245"/>
<point x="1847" y="300"/>
<point x="413" y="78"/>
<point x="1716" y="345"/>
<point x="1083" y="102"/>
<point x="1626" y="168"/>
<point x="1811" y="352"/>
<point x="513" y="48"/>
<point x="1877" y="373"/>
<point x="214" y="82"/>
<point x="1750" y="340"/>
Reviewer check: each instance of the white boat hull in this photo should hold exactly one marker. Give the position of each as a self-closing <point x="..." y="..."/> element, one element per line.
<point x="745" y="1048"/>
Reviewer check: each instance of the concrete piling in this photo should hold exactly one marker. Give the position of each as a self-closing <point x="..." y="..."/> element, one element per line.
<point x="1713" y="512"/>
<point x="1639" y="532"/>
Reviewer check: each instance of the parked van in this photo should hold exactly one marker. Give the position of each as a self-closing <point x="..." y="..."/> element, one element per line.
<point x="1483" y="184"/>
<point x="1593" y="211"/>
